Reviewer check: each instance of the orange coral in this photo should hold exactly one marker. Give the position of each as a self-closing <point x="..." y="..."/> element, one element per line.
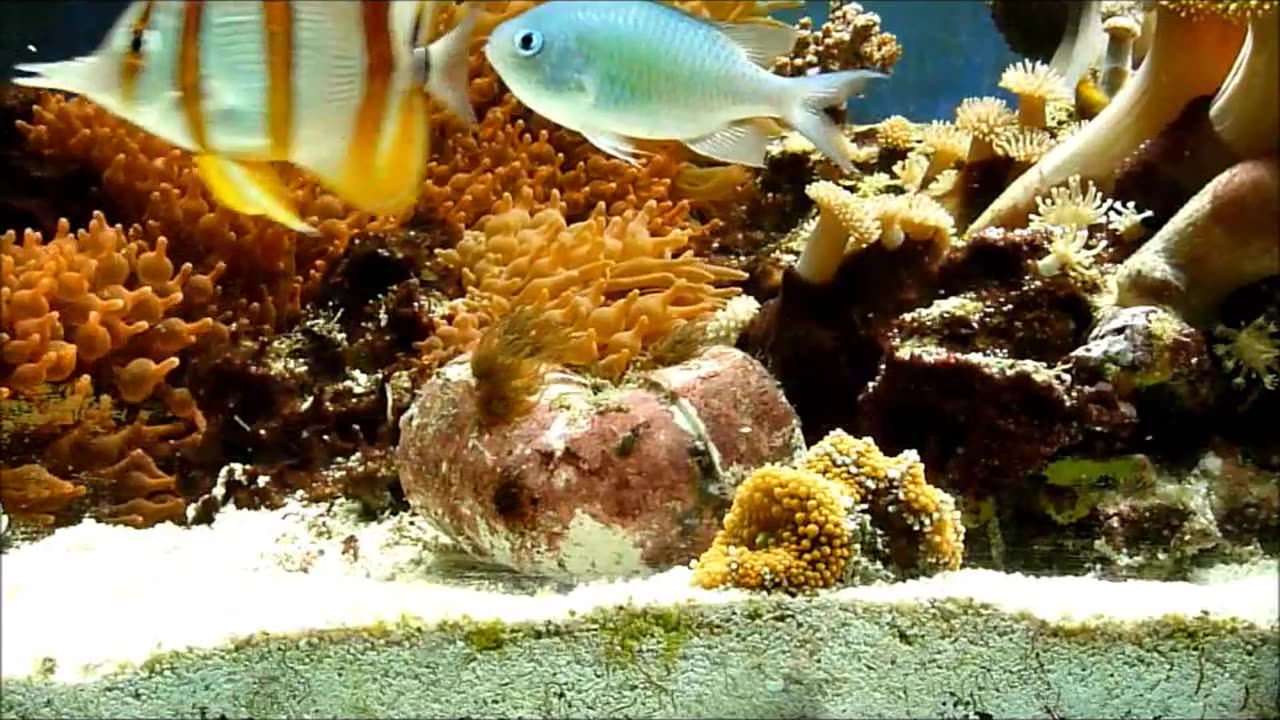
<point x="106" y="306"/>
<point x="617" y="288"/>
<point x="795" y="528"/>
<point x="514" y="152"/>
<point x="146" y="178"/>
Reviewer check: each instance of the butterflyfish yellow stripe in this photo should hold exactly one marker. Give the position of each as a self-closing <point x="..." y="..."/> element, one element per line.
<point x="363" y="152"/>
<point x="131" y="63"/>
<point x="189" y="73"/>
<point x="279" y="27"/>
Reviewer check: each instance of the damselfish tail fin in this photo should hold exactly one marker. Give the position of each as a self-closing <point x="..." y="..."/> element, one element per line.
<point x="810" y="95"/>
<point x="449" y="59"/>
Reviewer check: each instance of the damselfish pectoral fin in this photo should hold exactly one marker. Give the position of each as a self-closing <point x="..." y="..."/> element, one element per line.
<point x="250" y="188"/>
<point x="743" y="143"/>
<point x="615" y="145"/>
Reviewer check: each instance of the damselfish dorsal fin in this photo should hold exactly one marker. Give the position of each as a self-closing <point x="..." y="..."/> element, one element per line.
<point x="761" y="41"/>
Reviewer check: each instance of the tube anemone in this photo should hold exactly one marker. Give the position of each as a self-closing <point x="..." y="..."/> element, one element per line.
<point x="1192" y="50"/>
<point x="1227" y="236"/>
<point x="1246" y="111"/>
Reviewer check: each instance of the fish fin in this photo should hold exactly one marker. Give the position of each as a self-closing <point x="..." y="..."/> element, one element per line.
<point x="743" y="143"/>
<point x="449" y="60"/>
<point x="82" y="76"/>
<point x="250" y="188"/>
<point x="811" y="95"/>
<point x="615" y="145"/>
<point x="761" y="42"/>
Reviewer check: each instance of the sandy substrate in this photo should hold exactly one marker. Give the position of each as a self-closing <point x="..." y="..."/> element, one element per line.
<point x="307" y="612"/>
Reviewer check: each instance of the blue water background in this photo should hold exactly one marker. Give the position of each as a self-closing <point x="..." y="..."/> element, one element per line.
<point x="951" y="47"/>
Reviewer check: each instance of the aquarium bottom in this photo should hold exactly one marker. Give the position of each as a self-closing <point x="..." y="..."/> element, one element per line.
<point x="335" y="620"/>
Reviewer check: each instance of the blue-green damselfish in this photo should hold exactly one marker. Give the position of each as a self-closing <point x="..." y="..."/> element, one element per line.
<point x="621" y="71"/>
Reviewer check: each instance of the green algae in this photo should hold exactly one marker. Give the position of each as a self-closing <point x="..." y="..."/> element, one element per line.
<point x="625" y="629"/>
<point x="1088" y="480"/>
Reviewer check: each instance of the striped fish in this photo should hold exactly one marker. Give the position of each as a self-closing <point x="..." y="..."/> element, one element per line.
<point x="339" y="88"/>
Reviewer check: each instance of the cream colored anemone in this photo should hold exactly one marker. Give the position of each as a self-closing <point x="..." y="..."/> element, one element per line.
<point x="1071" y="206"/>
<point x="984" y="118"/>
<point x="845" y="224"/>
<point x="1035" y="84"/>
<point x="1224" y="238"/>
<point x="1246" y="112"/>
<point x="1025" y="145"/>
<point x="946" y="143"/>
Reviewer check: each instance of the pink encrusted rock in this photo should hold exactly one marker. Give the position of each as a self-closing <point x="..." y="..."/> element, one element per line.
<point x="596" y="480"/>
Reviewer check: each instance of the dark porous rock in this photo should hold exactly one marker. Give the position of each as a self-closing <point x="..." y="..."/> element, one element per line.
<point x="596" y="479"/>
<point x="979" y="422"/>
<point x="1157" y="363"/>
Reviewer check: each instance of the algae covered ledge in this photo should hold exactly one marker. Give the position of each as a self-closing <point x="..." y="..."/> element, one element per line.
<point x="838" y="655"/>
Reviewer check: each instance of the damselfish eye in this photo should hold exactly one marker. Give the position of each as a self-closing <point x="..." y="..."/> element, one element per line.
<point x="135" y="43"/>
<point x="528" y="42"/>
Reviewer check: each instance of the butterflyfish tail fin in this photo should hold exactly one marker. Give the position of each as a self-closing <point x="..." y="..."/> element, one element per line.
<point x="448" y="62"/>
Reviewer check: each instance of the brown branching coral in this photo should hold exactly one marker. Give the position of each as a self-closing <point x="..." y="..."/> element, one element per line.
<point x="798" y="528"/>
<point x="850" y="39"/>
<point x="616" y="288"/>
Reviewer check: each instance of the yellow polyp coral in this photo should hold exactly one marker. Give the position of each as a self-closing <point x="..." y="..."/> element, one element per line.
<point x="786" y="529"/>
<point x="616" y="288"/>
<point x="946" y="144"/>
<point x="797" y="528"/>
<point x="1194" y="47"/>
<point x="1024" y="145"/>
<point x="911" y="171"/>
<point x="848" y="223"/>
